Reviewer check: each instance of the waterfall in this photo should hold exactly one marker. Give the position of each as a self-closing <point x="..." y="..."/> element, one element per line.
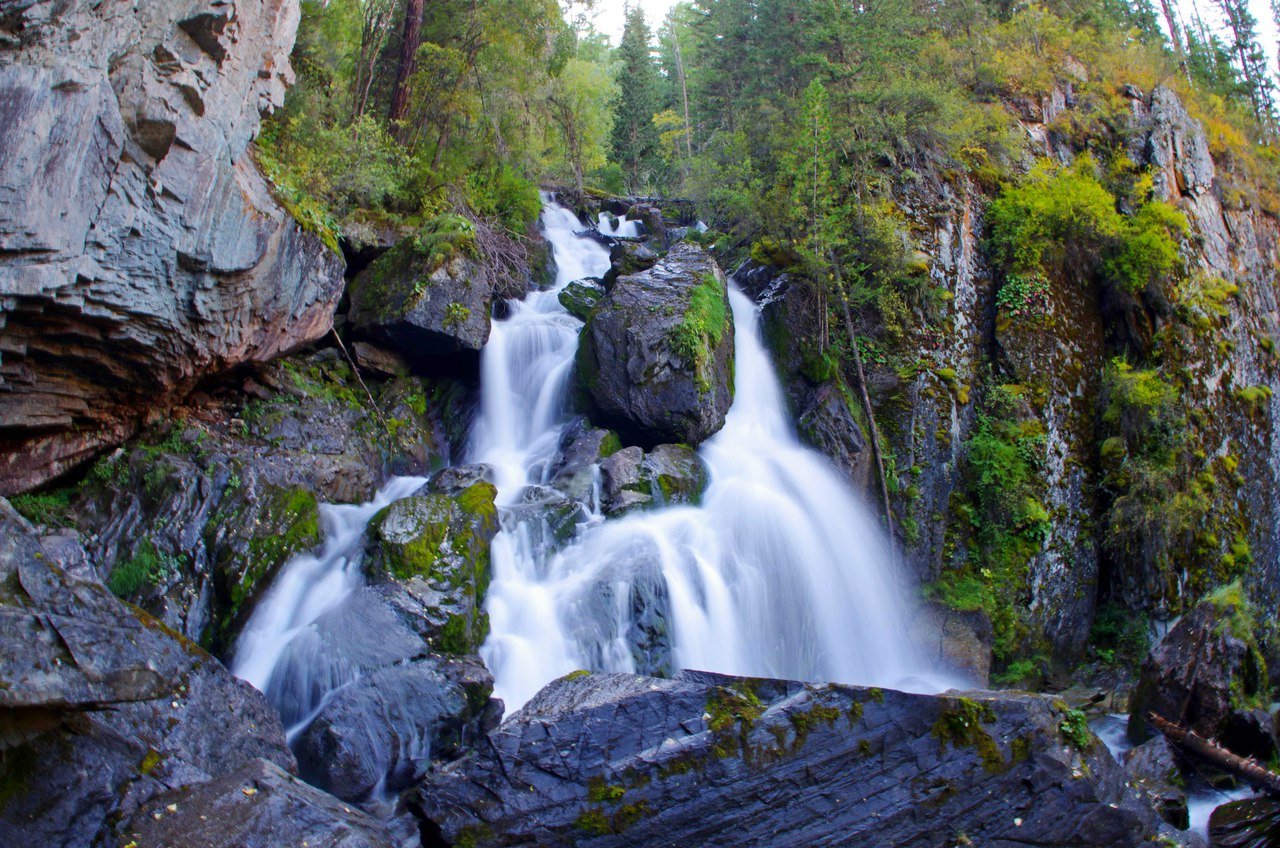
<point x="289" y="649"/>
<point x="780" y="572"/>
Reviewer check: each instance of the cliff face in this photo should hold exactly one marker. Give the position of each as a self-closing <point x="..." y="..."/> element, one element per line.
<point x="1220" y="356"/>
<point x="140" y="248"/>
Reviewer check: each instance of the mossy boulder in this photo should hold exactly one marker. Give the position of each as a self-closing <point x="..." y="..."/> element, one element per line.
<point x="656" y="357"/>
<point x="1209" y="675"/>
<point x="443" y="541"/>
<point x="580" y="297"/>
<point x="424" y="298"/>
<point x="629" y="257"/>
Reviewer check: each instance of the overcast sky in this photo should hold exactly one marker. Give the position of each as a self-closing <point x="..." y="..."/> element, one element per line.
<point x="609" y="16"/>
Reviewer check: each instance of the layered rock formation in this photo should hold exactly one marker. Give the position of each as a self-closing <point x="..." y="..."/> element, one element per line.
<point x="140" y="248"/>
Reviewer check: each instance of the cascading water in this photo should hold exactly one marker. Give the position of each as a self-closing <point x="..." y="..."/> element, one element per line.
<point x="780" y="571"/>
<point x="289" y="650"/>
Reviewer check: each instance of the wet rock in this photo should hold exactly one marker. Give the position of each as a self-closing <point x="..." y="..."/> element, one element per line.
<point x="653" y="224"/>
<point x="380" y="733"/>
<point x="549" y="514"/>
<point x="956" y="640"/>
<point x="666" y="475"/>
<point x="421" y="305"/>
<point x="1208" y="675"/>
<point x="1155" y="772"/>
<point x="133" y="218"/>
<point x="610" y="759"/>
<point x="1252" y="823"/>
<point x="628" y="257"/>
<point x="102" y="707"/>
<point x="443" y="541"/>
<point x="457" y="479"/>
<point x="580" y="297"/>
<point x="257" y="805"/>
<point x="655" y="360"/>
<point x="582" y="449"/>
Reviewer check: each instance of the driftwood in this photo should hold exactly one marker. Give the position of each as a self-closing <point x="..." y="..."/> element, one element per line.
<point x="1249" y="769"/>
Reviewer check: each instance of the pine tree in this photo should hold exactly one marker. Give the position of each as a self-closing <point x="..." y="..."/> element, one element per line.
<point x="1250" y="59"/>
<point x="635" y="138"/>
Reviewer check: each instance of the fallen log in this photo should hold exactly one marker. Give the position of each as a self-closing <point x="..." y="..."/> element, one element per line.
<point x="1248" y="769"/>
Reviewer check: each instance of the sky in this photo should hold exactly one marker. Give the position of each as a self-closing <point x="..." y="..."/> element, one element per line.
<point x="609" y="16"/>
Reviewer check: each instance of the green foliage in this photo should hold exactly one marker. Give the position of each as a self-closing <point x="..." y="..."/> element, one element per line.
<point x="1064" y="222"/>
<point x="1119" y="636"/>
<point x="703" y="328"/>
<point x="1074" y="728"/>
<point x="147" y="567"/>
<point x="1024" y="295"/>
<point x="635" y="138"/>
<point x="44" y="508"/>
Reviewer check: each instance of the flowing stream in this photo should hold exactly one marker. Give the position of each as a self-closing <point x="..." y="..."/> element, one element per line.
<point x="781" y="571"/>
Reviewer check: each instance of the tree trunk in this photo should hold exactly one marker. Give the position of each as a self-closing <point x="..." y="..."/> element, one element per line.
<point x="684" y="94"/>
<point x="1175" y="36"/>
<point x="409" y="43"/>
<point x="1267" y="781"/>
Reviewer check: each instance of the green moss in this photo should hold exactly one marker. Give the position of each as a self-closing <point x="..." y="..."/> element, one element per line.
<point x="145" y="568"/>
<point x="960" y="726"/>
<point x="150" y="761"/>
<point x="577" y="675"/>
<point x="804" y="722"/>
<point x="1074" y="728"/>
<point x="46" y="508"/>
<point x="593" y="821"/>
<point x="610" y="445"/>
<point x="704" y="326"/>
<point x="732" y="711"/>
<point x="600" y="792"/>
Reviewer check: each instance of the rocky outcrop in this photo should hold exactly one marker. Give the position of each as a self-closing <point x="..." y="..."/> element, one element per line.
<point x="1209" y="676"/>
<point x="381" y="732"/>
<point x="140" y="248"/>
<point x="425" y="302"/>
<point x="193" y="522"/>
<point x="441" y="541"/>
<point x="610" y="759"/>
<point x="102" y="708"/>
<point x="656" y="356"/>
<point x="1252" y="823"/>
<point x="257" y="805"/>
<point x="1155" y="771"/>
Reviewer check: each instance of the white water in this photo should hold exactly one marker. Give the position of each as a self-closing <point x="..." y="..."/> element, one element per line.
<point x="780" y="572"/>
<point x="616" y="227"/>
<point x="280" y="651"/>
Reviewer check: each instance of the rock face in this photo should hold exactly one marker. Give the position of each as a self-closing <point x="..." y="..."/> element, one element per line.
<point x="133" y="220"/>
<point x="1252" y="823"/>
<point x="656" y="357"/>
<point x="609" y="759"/>
<point x="381" y="732"/>
<point x="258" y="805"/>
<point x="1208" y="675"/>
<point x="668" y="474"/>
<point x="101" y="709"/>
<point x="423" y="305"/>
<point x="193" y="522"/>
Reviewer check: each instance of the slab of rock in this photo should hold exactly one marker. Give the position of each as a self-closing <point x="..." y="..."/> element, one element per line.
<point x="140" y="249"/>
<point x="101" y="706"/>
<point x="701" y="759"/>
<point x="656" y="357"/>
<point x="1251" y="823"/>
<point x="381" y="732"/>
<point x="1156" y="772"/>
<point x="257" y="806"/>
<point x="1208" y="675"/>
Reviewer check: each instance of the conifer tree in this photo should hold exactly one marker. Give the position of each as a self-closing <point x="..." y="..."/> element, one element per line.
<point x="635" y="138"/>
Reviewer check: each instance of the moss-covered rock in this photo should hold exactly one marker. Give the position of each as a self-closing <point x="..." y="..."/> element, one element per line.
<point x="580" y="297"/>
<point x="443" y="541"/>
<point x="667" y="475"/>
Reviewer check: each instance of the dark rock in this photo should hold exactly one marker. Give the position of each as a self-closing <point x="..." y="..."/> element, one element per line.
<point x="255" y="807"/>
<point x="656" y="355"/>
<point x="666" y="475"/>
<point x="610" y="759"/>
<point x="133" y="219"/>
<point x="626" y="258"/>
<point x="443" y="541"/>
<point x="957" y="640"/>
<point x="580" y="297"/>
<point x="380" y="733"/>
<point x="1208" y="675"/>
<point x="379" y="362"/>
<point x="1155" y="772"/>
<point x="455" y="480"/>
<point x="421" y="305"/>
<point x="582" y="448"/>
<point x="548" y="513"/>
<point x="1252" y="823"/>
<point x="653" y="224"/>
<point x="101" y="706"/>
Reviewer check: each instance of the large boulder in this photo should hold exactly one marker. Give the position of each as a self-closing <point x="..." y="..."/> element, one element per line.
<point x="1208" y="674"/>
<point x="101" y="706"/>
<point x="133" y="219"/>
<point x="667" y="475"/>
<point x="656" y="358"/>
<point x="702" y="759"/>
<point x="381" y="732"/>
<point x="439" y="544"/>
<point x="257" y="805"/>
<point x="425" y="298"/>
